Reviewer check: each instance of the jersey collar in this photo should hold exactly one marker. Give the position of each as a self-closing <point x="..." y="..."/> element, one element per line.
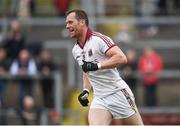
<point x="88" y="35"/>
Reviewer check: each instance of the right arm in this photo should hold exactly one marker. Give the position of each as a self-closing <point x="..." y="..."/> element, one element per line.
<point x="83" y="97"/>
<point x="86" y="83"/>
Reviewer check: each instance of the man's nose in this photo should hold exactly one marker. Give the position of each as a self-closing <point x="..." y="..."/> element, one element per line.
<point x="67" y="26"/>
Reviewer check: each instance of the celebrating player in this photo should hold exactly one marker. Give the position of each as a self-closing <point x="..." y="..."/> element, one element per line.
<point x="98" y="56"/>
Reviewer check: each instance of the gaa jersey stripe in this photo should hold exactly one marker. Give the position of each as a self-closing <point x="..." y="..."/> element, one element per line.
<point x="110" y="48"/>
<point x="129" y="99"/>
<point x="104" y="38"/>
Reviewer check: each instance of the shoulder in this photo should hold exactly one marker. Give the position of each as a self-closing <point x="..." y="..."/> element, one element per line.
<point x="103" y="38"/>
<point x="99" y="35"/>
<point x="142" y="57"/>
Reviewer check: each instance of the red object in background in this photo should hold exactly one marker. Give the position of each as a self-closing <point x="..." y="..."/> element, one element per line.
<point x="161" y="119"/>
<point x="62" y="6"/>
<point x="150" y="66"/>
<point x="54" y="116"/>
<point x="157" y="119"/>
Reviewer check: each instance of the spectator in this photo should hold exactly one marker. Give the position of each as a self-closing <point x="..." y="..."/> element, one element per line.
<point x="3" y="72"/>
<point x="129" y="70"/>
<point x="24" y="67"/>
<point x="15" y="40"/>
<point x="32" y="7"/>
<point x="162" y="6"/>
<point x="150" y="64"/>
<point x="30" y="114"/>
<point x="149" y="7"/>
<point x="168" y="7"/>
<point x="24" y="10"/>
<point x="46" y="67"/>
<point x="124" y="35"/>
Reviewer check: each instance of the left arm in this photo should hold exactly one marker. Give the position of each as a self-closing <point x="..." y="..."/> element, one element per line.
<point x="116" y="58"/>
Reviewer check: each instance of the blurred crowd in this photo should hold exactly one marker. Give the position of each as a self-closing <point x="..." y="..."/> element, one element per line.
<point x="25" y="9"/>
<point x="144" y="70"/>
<point x="19" y="62"/>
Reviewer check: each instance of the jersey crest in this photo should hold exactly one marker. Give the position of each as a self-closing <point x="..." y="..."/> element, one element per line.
<point x="90" y="53"/>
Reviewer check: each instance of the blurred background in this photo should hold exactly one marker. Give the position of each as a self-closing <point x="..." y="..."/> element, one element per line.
<point x="40" y="81"/>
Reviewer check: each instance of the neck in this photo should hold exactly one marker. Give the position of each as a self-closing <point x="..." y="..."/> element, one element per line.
<point x="82" y="37"/>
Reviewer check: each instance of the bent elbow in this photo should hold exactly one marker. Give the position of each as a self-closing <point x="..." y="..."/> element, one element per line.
<point x="123" y="59"/>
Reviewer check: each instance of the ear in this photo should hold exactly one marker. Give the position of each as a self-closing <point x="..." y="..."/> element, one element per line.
<point x="82" y="22"/>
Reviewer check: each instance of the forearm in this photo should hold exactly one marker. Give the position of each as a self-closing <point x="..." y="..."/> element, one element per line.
<point x="86" y="83"/>
<point x="115" y="58"/>
<point x="83" y="97"/>
<point x="114" y="61"/>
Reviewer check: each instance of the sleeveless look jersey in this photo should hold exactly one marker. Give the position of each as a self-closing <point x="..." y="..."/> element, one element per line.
<point x="103" y="81"/>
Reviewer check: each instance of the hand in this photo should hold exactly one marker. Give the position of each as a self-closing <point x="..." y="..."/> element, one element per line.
<point x="83" y="98"/>
<point x="46" y="71"/>
<point x="89" y="66"/>
<point x="22" y="71"/>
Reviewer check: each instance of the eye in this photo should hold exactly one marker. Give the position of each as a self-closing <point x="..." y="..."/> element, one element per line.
<point x="70" y="22"/>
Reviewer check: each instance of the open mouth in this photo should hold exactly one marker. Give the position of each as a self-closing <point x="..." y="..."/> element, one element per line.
<point x="71" y="30"/>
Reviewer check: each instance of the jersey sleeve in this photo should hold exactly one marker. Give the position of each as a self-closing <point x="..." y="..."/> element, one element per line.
<point x="77" y="56"/>
<point x="106" y="43"/>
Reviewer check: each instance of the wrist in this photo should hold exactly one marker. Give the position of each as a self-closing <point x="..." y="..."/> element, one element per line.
<point x="85" y="89"/>
<point x="99" y="65"/>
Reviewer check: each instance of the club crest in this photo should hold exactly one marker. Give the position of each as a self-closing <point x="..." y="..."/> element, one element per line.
<point x="90" y="53"/>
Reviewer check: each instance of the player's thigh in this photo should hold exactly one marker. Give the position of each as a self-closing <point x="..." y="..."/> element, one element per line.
<point x="116" y="122"/>
<point x="99" y="117"/>
<point x="135" y="119"/>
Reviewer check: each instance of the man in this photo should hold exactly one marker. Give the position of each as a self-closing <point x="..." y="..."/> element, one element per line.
<point x="15" y="40"/>
<point x="30" y="113"/>
<point x="99" y="56"/>
<point x="150" y="64"/>
<point x="24" y="67"/>
<point x="46" y="67"/>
